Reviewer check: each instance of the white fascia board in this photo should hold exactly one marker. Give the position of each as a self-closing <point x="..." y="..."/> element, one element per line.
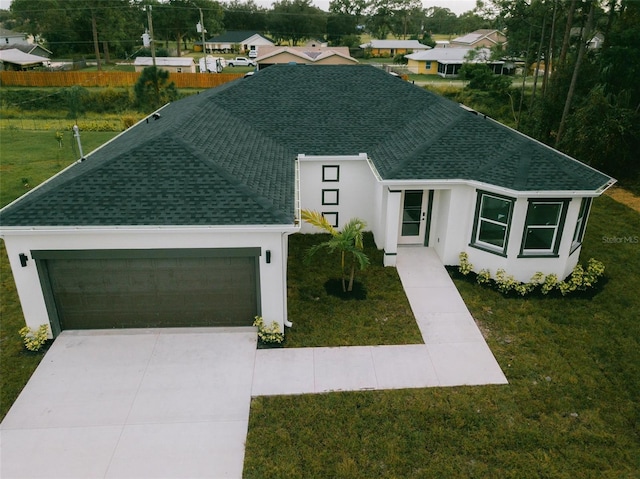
<point x="444" y="184"/>
<point x="303" y="157"/>
<point x="75" y="230"/>
<point x="36" y="188"/>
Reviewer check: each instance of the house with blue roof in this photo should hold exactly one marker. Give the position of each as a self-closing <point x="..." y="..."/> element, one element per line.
<point x="184" y="218"/>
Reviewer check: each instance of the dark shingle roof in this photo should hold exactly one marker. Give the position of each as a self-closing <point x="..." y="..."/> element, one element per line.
<point x="226" y="156"/>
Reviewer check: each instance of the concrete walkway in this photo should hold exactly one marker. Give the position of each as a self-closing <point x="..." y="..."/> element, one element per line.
<point x="454" y="353"/>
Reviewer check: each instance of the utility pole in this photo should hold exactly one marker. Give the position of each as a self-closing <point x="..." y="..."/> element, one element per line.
<point x="156" y="87"/>
<point x="96" y="45"/>
<point x="204" y="48"/>
<point x="153" y="44"/>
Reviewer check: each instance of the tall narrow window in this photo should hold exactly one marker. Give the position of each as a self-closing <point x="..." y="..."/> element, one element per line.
<point x="581" y="223"/>
<point x="543" y="228"/>
<point x="492" y="222"/>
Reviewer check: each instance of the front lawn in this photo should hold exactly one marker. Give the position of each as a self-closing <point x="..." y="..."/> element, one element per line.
<point x="570" y="411"/>
<point x="323" y="319"/>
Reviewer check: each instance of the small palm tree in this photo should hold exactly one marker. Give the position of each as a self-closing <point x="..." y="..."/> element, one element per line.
<point x="348" y="242"/>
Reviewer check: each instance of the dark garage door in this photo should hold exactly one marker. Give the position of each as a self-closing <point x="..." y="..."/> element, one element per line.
<point x="164" y="288"/>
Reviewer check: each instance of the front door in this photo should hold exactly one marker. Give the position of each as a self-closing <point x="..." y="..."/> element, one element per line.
<point x="414" y="219"/>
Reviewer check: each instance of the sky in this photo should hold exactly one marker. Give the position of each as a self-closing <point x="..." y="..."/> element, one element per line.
<point x="456" y="6"/>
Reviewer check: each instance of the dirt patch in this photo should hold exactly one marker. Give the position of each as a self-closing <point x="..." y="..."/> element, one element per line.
<point x="625" y="197"/>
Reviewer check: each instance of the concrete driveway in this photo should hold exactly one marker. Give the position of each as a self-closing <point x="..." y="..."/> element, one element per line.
<point x="134" y="404"/>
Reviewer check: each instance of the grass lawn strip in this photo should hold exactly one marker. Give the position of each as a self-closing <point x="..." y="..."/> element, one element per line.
<point x="570" y="409"/>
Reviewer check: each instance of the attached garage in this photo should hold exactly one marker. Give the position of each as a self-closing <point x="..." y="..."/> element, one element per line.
<point x="100" y="289"/>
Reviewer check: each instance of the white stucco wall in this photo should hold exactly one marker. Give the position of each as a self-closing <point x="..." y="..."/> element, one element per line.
<point x="272" y="276"/>
<point x="358" y="193"/>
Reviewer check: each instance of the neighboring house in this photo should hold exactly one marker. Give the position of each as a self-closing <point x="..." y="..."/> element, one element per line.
<point x="596" y="41"/>
<point x="268" y="56"/>
<point x="23" y="42"/>
<point x="183" y="219"/>
<point x="172" y="64"/>
<point x="447" y="62"/>
<point x="391" y="48"/>
<point x="243" y="41"/>
<point x="9" y="37"/>
<point x="14" y="59"/>
<point x="31" y="48"/>
<point x="480" y="38"/>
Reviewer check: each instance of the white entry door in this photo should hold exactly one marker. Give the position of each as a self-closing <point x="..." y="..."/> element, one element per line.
<point x="413" y="220"/>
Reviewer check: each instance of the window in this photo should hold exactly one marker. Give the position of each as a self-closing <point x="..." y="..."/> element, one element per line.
<point x="330" y="173"/>
<point x="543" y="227"/>
<point x="332" y="218"/>
<point x="492" y="222"/>
<point x="427" y="65"/>
<point x="330" y="197"/>
<point x="581" y="223"/>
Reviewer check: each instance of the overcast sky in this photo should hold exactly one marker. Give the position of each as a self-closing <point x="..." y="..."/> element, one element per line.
<point x="456" y="6"/>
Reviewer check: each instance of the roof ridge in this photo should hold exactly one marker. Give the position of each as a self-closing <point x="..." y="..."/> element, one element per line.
<point x="444" y="129"/>
<point x="261" y="200"/>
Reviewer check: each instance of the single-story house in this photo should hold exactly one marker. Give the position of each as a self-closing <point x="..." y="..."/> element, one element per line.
<point x="31" y="48"/>
<point x="480" y="38"/>
<point x="391" y="48"/>
<point x="243" y="41"/>
<point x="184" y="218"/>
<point x="268" y="56"/>
<point x="14" y="59"/>
<point x="172" y="64"/>
<point x="446" y="62"/>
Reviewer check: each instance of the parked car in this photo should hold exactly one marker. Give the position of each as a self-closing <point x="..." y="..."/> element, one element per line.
<point x="253" y="53"/>
<point x="241" y="62"/>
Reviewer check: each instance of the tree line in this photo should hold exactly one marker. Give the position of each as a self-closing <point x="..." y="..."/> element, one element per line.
<point x="585" y="100"/>
<point x="74" y="27"/>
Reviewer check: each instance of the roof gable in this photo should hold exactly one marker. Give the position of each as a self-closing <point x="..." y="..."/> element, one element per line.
<point x="226" y="156"/>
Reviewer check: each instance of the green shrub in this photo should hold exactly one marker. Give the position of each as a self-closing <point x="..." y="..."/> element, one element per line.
<point x="34" y="340"/>
<point x="580" y="279"/>
<point x="268" y="334"/>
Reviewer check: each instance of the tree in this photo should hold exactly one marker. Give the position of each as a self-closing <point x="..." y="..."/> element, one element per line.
<point x="245" y="16"/>
<point x="380" y="21"/>
<point x="348" y="242"/>
<point x="296" y="20"/>
<point x="481" y="77"/>
<point x="152" y="90"/>
<point x="440" y="20"/>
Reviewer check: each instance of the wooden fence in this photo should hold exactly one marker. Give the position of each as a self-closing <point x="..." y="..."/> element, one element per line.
<point x="109" y="79"/>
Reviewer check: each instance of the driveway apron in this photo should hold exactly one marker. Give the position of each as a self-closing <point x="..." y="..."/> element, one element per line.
<point x="134" y="404"/>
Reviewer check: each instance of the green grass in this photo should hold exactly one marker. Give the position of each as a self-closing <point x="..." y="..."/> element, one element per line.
<point x="322" y="319"/>
<point x="571" y="409"/>
<point x="35" y="156"/>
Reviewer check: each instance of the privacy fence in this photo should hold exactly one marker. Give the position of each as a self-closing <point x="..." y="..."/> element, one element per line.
<point x="109" y="79"/>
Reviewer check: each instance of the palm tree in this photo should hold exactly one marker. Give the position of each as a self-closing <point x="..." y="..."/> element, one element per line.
<point x="348" y="242"/>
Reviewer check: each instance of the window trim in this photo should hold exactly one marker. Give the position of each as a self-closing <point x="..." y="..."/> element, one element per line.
<point x="488" y="247"/>
<point x="553" y="251"/>
<point x="326" y="214"/>
<point x="581" y="223"/>
<point x="326" y="177"/>
<point x="328" y="199"/>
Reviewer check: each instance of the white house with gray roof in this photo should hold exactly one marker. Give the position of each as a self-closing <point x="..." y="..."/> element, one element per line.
<point x="184" y="218"/>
